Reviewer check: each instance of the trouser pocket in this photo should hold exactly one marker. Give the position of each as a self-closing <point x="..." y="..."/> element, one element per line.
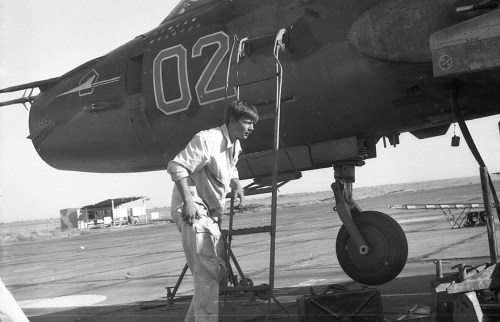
<point x="205" y="244"/>
<point x="207" y="236"/>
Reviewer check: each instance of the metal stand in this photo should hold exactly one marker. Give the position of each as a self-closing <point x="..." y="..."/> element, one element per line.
<point x="171" y="294"/>
<point x="463" y="294"/>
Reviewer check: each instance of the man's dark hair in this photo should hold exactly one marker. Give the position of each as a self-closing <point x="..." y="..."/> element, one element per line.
<point x="239" y="109"/>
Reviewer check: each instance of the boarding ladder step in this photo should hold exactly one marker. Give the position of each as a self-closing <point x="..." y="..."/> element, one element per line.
<point x="267" y="116"/>
<point x="247" y="231"/>
<point x="244" y="288"/>
<point x="256" y="155"/>
<point x="264" y="184"/>
<point x="258" y="191"/>
<point x="272" y="102"/>
<point x="255" y="81"/>
<point x="282" y="179"/>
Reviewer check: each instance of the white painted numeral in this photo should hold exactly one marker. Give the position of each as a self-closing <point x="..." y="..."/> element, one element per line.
<point x="206" y="96"/>
<point x="203" y="93"/>
<point x="179" y="104"/>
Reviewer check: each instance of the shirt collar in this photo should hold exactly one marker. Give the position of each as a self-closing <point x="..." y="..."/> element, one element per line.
<point x="236" y="144"/>
<point x="226" y="135"/>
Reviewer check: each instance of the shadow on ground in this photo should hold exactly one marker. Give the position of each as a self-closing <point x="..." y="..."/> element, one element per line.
<point x="397" y="297"/>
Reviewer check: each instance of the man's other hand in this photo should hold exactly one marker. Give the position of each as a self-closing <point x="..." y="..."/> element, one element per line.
<point x="238" y="192"/>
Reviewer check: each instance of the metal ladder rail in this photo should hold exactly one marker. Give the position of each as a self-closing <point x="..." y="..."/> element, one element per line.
<point x="278" y="45"/>
<point x="229" y="234"/>
<point x="171" y="293"/>
<point x="240" y="54"/>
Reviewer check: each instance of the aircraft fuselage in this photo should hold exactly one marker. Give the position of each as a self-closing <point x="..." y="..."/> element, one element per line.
<point x="351" y="69"/>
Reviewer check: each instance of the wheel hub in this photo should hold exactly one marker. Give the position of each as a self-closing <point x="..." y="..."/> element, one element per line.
<point x="377" y="255"/>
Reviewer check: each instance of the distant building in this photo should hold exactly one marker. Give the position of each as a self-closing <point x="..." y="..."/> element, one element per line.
<point x="110" y="212"/>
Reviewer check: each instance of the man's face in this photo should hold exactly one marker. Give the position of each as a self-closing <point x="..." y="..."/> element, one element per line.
<point x="241" y="128"/>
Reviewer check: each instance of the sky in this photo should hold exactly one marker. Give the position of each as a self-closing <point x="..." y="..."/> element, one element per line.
<point x="45" y="39"/>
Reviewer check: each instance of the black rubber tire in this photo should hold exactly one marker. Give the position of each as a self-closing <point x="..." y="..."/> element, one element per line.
<point x="388" y="249"/>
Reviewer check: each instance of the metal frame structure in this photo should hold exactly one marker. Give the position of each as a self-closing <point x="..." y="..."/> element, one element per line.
<point x="455" y="220"/>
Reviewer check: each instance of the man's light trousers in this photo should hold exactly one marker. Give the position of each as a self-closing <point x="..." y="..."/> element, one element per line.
<point x="206" y="258"/>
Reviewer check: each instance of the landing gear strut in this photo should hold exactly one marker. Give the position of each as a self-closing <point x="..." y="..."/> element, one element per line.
<point x="371" y="246"/>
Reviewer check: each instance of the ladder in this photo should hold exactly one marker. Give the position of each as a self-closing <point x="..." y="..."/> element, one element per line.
<point x="264" y="185"/>
<point x="265" y="291"/>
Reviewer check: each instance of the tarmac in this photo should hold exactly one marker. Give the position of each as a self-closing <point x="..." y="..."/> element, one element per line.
<point x="123" y="275"/>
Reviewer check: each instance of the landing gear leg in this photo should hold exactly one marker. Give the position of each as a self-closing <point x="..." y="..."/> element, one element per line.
<point x="371" y="246"/>
<point x="346" y="206"/>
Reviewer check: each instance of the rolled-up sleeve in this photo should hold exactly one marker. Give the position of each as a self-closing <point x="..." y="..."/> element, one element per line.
<point x="235" y="174"/>
<point x="176" y="171"/>
<point x="193" y="158"/>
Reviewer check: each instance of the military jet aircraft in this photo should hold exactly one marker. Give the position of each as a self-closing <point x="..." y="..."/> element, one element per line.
<point x="353" y="73"/>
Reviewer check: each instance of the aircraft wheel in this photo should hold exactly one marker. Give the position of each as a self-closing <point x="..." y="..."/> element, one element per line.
<point x="388" y="249"/>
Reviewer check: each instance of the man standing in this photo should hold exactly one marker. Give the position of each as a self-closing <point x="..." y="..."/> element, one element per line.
<point x="203" y="173"/>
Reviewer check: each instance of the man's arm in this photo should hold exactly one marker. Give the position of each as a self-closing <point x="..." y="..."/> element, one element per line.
<point x="179" y="175"/>
<point x="193" y="158"/>
<point x="189" y="210"/>
<point x="238" y="191"/>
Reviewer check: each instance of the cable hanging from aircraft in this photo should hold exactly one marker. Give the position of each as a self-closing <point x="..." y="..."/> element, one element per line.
<point x="455" y="140"/>
<point x="485" y="176"/>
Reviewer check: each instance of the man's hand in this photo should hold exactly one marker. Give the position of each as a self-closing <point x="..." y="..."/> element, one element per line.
<point x="238" y="192"/>
<point x="189" y="212"/>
